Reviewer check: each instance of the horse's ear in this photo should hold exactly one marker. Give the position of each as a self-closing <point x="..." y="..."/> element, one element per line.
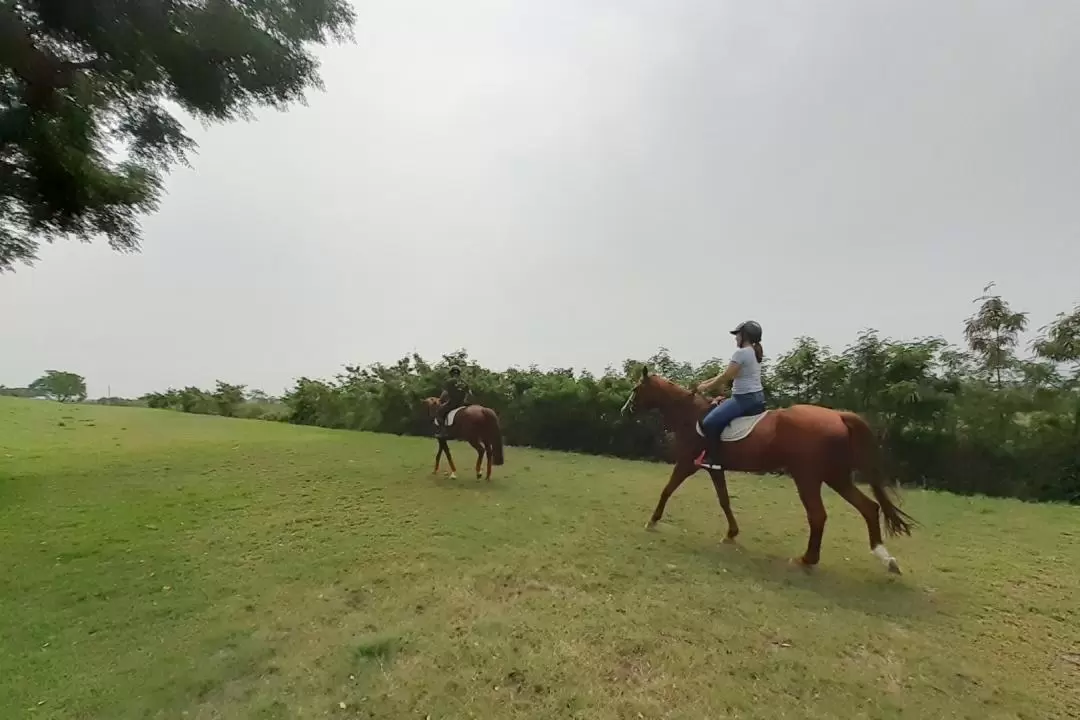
<point x="644" y="372"/>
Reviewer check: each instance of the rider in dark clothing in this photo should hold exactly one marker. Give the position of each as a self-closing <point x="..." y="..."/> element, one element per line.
<point x="453" y="395"/>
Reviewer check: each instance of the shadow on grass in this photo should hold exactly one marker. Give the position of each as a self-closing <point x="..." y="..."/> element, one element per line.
<point x="466" y="480"/>
<point x="835" y="582"/>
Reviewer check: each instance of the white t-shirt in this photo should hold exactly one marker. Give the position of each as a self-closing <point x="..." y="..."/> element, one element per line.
<point x="748" y="379"/>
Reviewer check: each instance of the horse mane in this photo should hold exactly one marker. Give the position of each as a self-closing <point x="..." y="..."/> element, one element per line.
<point x="677" y="392"/>
<point x="671" y="383"/>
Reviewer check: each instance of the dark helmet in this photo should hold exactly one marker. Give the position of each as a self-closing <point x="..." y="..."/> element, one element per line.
<point x="750" y="330"/>
<point x="455" y="370"/>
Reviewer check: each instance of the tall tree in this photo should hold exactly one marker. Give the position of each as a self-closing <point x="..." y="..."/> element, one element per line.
<point x="255" y="395"/>
<point x="191" y="399"/>
<point x="1060" y="341"/>
<point x="228" y="398"/>
<point x="59" y="385"/>
<point x="797" y="373"/>
<point x="664" y="365"/>
<point x="85" y="87"/>
<point x="992" y="333"/>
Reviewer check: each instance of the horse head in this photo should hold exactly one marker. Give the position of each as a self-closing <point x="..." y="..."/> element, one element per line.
<point x="430" y="404"/>
<point x="653" y="392"/>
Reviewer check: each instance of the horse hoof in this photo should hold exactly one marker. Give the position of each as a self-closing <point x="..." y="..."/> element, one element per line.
<point x="651" y="526"/>
<point x="452" y="476"/>
<point x="894" y="567"/>
<point x="729" y="540"/>
<point x="801" y="564"/>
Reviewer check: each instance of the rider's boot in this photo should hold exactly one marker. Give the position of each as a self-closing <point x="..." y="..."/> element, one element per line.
<point x="710" y="455"/>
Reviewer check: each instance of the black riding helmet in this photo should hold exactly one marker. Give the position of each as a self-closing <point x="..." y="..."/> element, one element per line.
<point x="455" y="370"/>
<point x="750" y="330"/>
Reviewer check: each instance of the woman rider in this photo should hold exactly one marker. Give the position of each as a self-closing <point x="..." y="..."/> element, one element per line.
<point x="453" y="395"/>
<point x="747" y="393"/>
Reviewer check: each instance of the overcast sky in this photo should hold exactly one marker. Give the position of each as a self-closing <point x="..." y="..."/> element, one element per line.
<point x="574" y="182"/>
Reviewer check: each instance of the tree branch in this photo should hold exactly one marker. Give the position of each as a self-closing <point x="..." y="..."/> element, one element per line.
<point x="42" y="71"/>
<point x="95" y="64"/>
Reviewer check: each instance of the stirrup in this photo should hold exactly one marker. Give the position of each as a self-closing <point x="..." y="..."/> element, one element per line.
<point x="702" y="462"/>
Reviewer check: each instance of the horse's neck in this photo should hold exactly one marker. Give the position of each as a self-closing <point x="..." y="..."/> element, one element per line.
<point x="683" y="413"/>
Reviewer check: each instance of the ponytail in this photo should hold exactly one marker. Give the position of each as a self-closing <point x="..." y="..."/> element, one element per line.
<point x="758" y="352"/>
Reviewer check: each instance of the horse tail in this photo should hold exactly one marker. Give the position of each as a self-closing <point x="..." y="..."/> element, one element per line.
<point x="496" y="439"/>
<point x="866" y="457"/>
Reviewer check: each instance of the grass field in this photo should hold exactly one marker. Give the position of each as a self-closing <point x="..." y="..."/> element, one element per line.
<point x="161" y="565"/>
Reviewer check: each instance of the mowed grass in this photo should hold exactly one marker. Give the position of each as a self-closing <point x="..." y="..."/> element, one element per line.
<point x="161" y="565"/>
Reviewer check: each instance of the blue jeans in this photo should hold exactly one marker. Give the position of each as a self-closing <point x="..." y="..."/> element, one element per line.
<point x="733" y="407"/>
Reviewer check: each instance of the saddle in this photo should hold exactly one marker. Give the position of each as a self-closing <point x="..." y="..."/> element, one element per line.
<point x="450" y="416"/>
<point x="738" y="428"/>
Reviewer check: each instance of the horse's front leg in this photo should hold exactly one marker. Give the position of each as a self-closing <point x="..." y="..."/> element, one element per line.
<point x="438" y="457"/>
<point x="449" y="458"/>
<point x="682" y="470"/>
<point x="719" y="481"/>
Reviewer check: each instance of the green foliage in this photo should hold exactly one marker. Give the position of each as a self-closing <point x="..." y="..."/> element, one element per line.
<point x="557" y="409"/>
<point x="161" y="400"/>
<point x="194" y="400"/>
<point x="228" y="398"/>
<point x="976" y="420"/>
<point x="1061" y="341"/>
<point x="112" y="400"/>
<point x="21" y="392"/>
<point x="992" y="334"/>
<point x="800" y="374"/>
<point x="83" y="83"/>
<point x="59" y="385"/>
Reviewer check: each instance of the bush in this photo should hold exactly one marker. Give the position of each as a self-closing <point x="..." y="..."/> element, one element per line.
<point x="978" y="420"/>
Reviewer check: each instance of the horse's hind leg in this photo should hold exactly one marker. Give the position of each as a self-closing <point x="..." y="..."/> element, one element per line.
<point x="809" y="487"/>
<point x="846" y="488"/>
<point x="719" y="481"/>
<point x="479" y="457"/>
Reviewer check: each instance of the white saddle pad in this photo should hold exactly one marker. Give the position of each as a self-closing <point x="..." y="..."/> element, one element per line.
<point x="738" y="428"/>
<point x="453" y="414"/>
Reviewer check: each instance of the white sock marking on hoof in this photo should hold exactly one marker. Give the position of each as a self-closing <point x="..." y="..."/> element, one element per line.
<point x="882" y="554"/>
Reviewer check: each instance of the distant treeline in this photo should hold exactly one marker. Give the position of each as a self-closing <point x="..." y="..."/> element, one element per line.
<point x="982" y="418"/>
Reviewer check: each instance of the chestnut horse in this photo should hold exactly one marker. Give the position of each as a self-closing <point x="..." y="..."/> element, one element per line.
<point x="813" y="444"/>
<point x="476" y="425"/>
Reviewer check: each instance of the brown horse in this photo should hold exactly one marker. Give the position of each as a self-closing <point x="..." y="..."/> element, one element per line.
<point x="813" y="444"/>
<point x="476" y="425"/>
